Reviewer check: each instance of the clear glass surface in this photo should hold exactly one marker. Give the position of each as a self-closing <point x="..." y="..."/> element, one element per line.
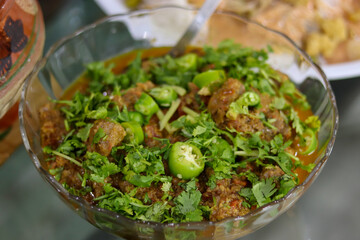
<point x="118" y="34"/>
<point x="22" y="24"/>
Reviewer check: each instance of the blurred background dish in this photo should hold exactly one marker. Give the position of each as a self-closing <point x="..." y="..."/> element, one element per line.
<point x="21" y="44"/>
<point x="329" y="30"/>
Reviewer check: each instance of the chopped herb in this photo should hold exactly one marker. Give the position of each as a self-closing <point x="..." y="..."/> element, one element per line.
<point x="168" y="118"/>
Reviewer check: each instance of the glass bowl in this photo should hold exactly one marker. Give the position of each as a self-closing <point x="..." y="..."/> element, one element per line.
<point x="118" y="34"/>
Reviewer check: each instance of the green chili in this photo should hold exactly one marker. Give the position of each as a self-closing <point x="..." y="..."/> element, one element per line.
<point x="146" y="105"/>
<point x="311" y="142"/>
<point x="209" y="80"/>
<point x="164" y="96"/>
<point x="179" y="90"/>
<point x="250" y="99"/>
<point x="187" y="62"/>
<point x="134" y="132"/>
<point x="137" y="117"/>
<point x="185" y="160"/>
<point x="241" y="106"/>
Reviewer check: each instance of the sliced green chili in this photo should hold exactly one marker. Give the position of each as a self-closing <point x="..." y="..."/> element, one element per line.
<point x="187" y="62"/>
<point x="137" y="117"/>
<point x="164" y="96"/>
<point x="250" y="99"/>
<point x="134" y="132"/>
<point x="146" y="105"/>
<point x="311" y="141"/>
<point x="242" y="104"/>
<point x="185" y="160"/>
<point x="209" y="80"/>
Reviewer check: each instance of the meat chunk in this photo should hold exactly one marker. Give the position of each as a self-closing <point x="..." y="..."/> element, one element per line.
<point x="220" y="101"/>
<point x="189" y="100"/>
<point x="279" y="122"/>
<point x="114" y="134"/>
<point x="119" y="101"/>
<point x="274" y="172"/>
<point x="246" y="124"/>
<point x="228" y="201"/>
<point x="52" y="126"/>
<point x="153" y="192"/>
<point x="69" y="171"/>
<point x="133" y="94"/>
<point x="152" y="130"/>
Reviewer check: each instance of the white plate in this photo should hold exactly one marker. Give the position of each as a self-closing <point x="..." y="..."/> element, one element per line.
<point x="342" y="70"/>
<point x="333" y="71"/>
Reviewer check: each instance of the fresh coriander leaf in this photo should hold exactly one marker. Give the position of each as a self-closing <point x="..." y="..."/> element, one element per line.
<point x="77" y="192"/>
<point x="100" y="134"/>
<point x="166" y="187"/>
<point x="99" y="113"/>
<point x="100" y="166"/>
<point x="279" y="103"/>
<point x="248" y="194"/>
<point x="263" y="191"/>
<point x="56" y="172"/>
<point x="285" y="162"/>
<point x="155" y="212"/>
<point x="296" y="122"/>
<point x="139" y="180"/>
<point x="286" y="184"/>
<point x="198" y="130"/>
<point x="84" y="132"/>
<point x="187" y="204"/>
<point x="72" y="148"/>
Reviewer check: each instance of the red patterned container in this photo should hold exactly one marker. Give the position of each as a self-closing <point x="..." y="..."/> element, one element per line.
<point x="21" y="46"/>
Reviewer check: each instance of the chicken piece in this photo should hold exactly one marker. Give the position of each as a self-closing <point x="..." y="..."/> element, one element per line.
<point x="189" y="100"/>
<point x="114" y="134"/>
<point x="52" y="126"/>
<point x="133" y="94"/>
<point x="228" y="201"/>
<point x="220" y="101"/>
<point x="274" y="172"/>
<point x="152" y="130"/>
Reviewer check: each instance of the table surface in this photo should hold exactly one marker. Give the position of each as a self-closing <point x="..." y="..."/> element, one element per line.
<point x="330" y="209"/>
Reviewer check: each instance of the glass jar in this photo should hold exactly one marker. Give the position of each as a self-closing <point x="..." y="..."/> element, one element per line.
<point x="22" y="38"/>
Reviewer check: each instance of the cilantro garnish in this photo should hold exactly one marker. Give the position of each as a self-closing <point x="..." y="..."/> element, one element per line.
<point x="187" y="208"/>
<point x="135" y="180"/>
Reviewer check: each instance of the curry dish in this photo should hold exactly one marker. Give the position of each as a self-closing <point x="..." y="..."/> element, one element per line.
<point x="215" y="133"/>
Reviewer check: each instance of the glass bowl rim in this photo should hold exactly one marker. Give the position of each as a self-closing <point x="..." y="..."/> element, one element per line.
<point x="82" y="202"/>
